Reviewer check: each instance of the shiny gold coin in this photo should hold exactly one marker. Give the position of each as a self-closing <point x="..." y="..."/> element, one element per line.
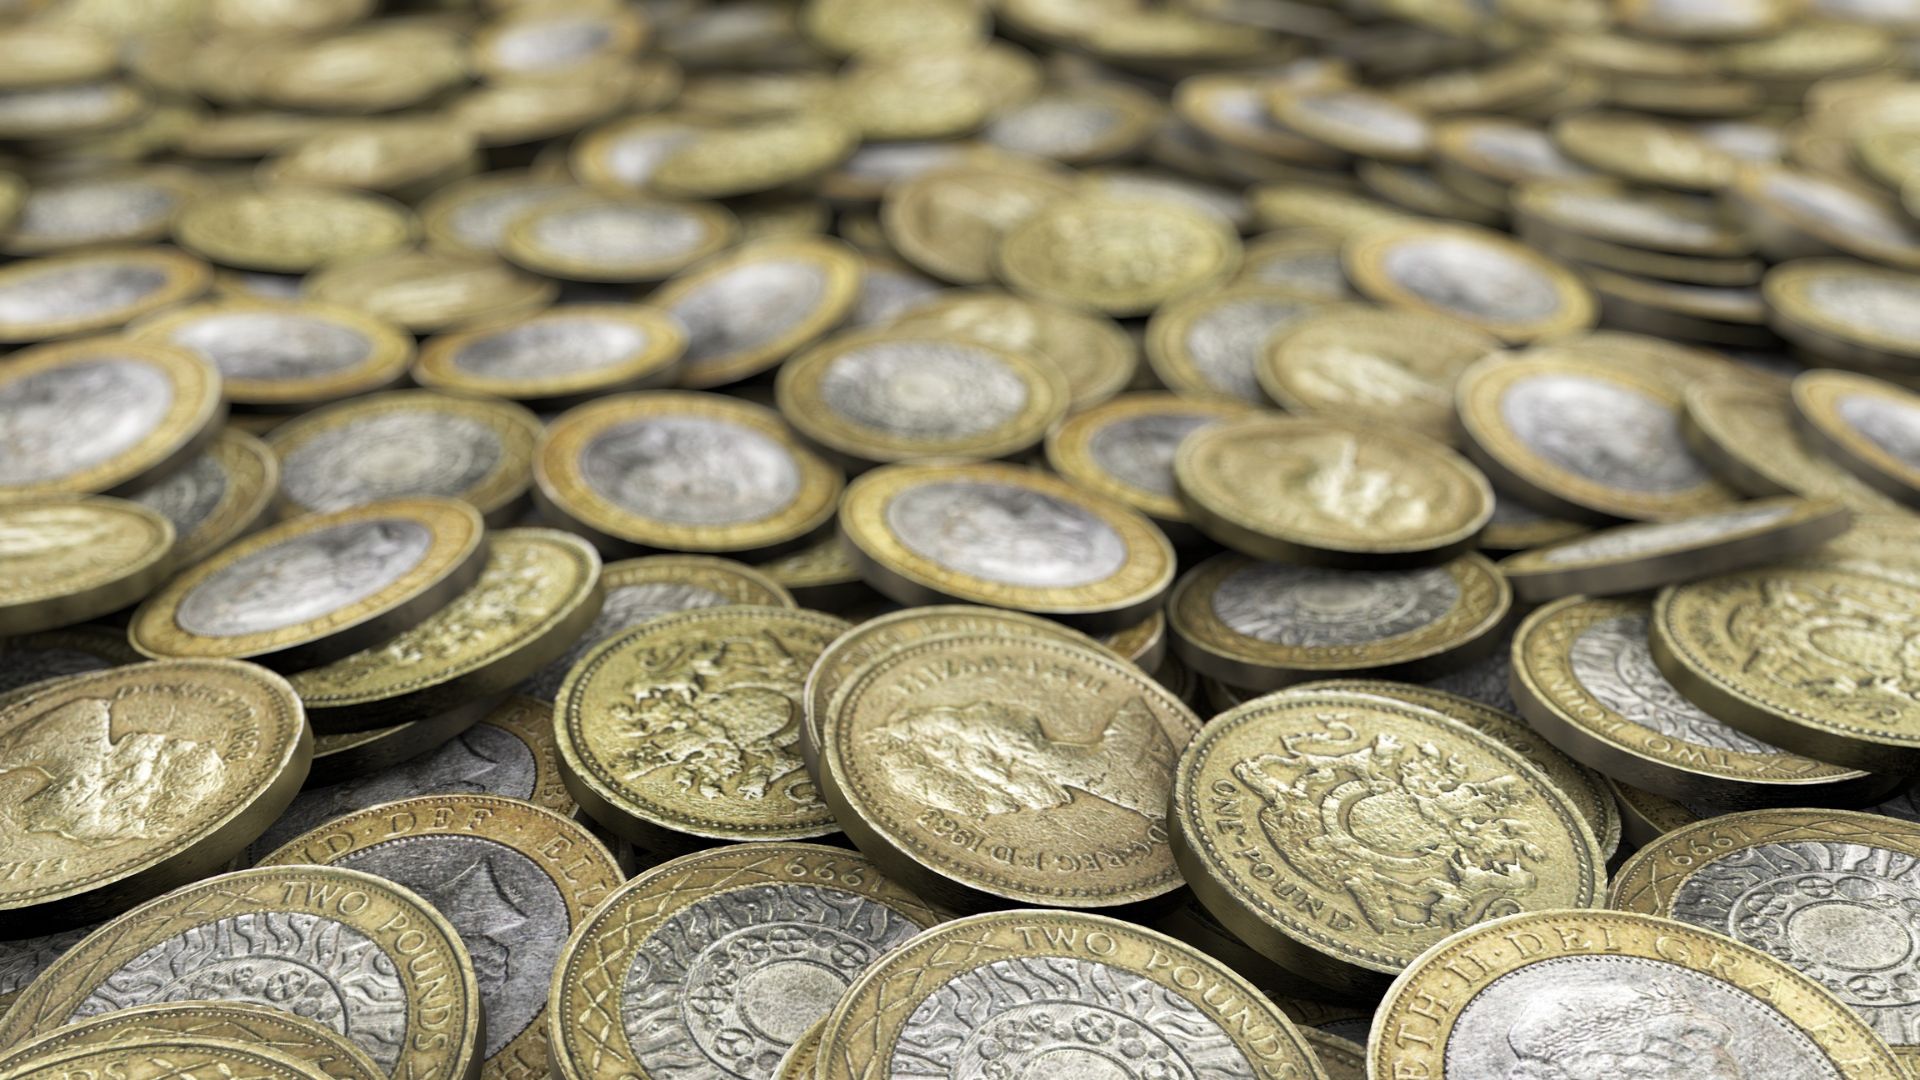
<point x="267" y="1029"/>
<point x="245" y="135"/>
<point x="405" y="992"/>
<point x="1645" y="817"/>
<point x="1008" y="537"/>
<point x="1810" y="660"/>
<point x="1211" y="341"/>
<point x="1359" y="122"/>
<point x="685" y="472"/>
<point x="167" y="1056"/>
<point x="898" y="96"/>
<point x="217" y="497"/>
<point x="1882" y="545"/>
<point x="407" y="443"/>
<point x="846" y="27"/>
<point x="514" y="881"/>
<point x="538" y="592"/>
<point x="68" y="560"/>
<point x="904" y="393"/>
<point x="1069" y="719"/>
<point x="1558" y="988"/>
<point x="721" y="163"/>
<point x="1680" y="366"/>
<point x="396" y="156"/>
<point x="751" y="308"/>
<point x="1746" y="432"/>
<point x="285" y="354"/>
<point x="1844" y="311"/>
<point x="589" y="237"/>
<point x="1584" y="441"/>
<point x="427" y="292"/>
<point x="1865" y="424"/>
<point x="1267" y="625"/>
<point x="291" y="230"/>
<point x="1390" y="367"/>
<point x="1643" y="150"/>
<point x="1123" y="448"/>
<point x="1475" y="275"/>
<point x="312" y="590"/>
<point x="1092" y="352"/>
<point x="1287" y="206"/>
<point x="109" y="207"/>
<point x="635" y="765"/>
<point x="950" y="221"/>
<point x="1308" y="490"/>
<point x="1117" y="256"/>
<point x="1144" y="643"/>
<point x="1304" y="261"/>
<point x="92" y="291"/>
<point x="767" y="936"/>
<point x="152" y="776"/>
<point x="558" y="357"/>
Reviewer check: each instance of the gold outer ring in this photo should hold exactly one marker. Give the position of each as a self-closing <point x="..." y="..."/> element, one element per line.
<point x="1791" y="291"/>
<point x="840" y="272"/>
<point x="261" y="1026"/>
<point x="169" y="1055"/>
<point x="1169" y="336"/>
<point x="1070" y="445"/>
<point x="345" y="755"/>
<point x="388" y="350"/>
<point x="249" y="475"/>
<point x="1032" y="260"/>
<point x="521" y="242"/>
<point x="1817" y="400"/>
<point x="427" y="292"/>
<point x="487" y="202"/>
<point x="653" y="364"/>
<point x="90" y="587"/>
<point x="1747" y="432"/>
<point x="1369" y="257"/>
<point x="311" y="227"/>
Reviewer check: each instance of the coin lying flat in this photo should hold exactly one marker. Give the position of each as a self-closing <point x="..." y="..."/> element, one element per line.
<point x="514" y="881"/>
<point x="1121" y="257"/>
<point x="1356" y="121"/>
<point x="1645" y="151"/>
<point x="1583" y="441"/>
<point x="1008" y="537"/>
<point x="168" y="1056"/>
<point x="558" y="357"/>
<point x="1474" y="275"/>
<point x="407" y="443"/>
<point x="470" y="216"/>
<point x="1211" y="341"/>
<point x="687" y="472"/>
<point x="107" y="415"/>
<point x="427" y="291"/>
<point x="1631" y="558"/>
<point x="1870" y="427"/>
<point x="1092" y="352"/>
<point x="1393" y="367"/>
<point x="370" y="960"/>
<point x="723" y="162"/>
<point x="270" y="1029"/>
<point x="1082" y="124"/>
<point x="69" y="560"/>
<point x="752" y="307"/>
<point x="1567" y="991"/>
<point x="1072" y="815"/>
<point x="1844" y="311"/>
<point x="286" y="354"/>
<point x="1123" y="448"/>
<point x="63" y="295"/>
<point x="28" y="659"/>
<point x="1328" y="886"/>
<point x="291" y="230"/>
<point x="1746" y="432"/>
<point x="802" y="1059"/>
<point x="130" y="207"/>
<point x="598" y="238"/>
<point x="1615" y="212"/>
<point x="150" y="776"/>
<point x="216" y="497"/>
<point x="1049" y="993"/>
<point x="949" y="221"/>
<point x="317" y="588"/>
<point x="538" y="591"/>
<point x="1319" y="491"/>
<point x="397" y="156"/>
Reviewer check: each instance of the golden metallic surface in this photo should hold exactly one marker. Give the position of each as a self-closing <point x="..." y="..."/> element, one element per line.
<point x="1373" y="366"/>
<point x="341" y="758"/>
<point x="819" y="281"/>
<point x="259" y="1026"/>
<point x="427" y="292"/>
<point x="802" y="1059"/>
<point x="1861" y="422"/>
<point x="846" y="27"/>
<point x="67" y="560"/>
<point x="949" y="221"/>
<point x="1747" y="433"/>
<point x="1210" y="341"/>
<point x="1671" y="362"/>
<point x="1844" y="311"/>
<point x="1093" y="353"/>
<point x="1123" y="448"/>
<point x="94" y="291"/>
<point x="1357" y="121"/>
<point x="1304" y="260"/>
<point x="720" y="163"/>
<point x="561" y="356"/>
<point x="821" y="576"/>
<point x="217" y="497"/>
<point x="365" y="353"/>
<point x="368" y="70"/>
<point x="50" y="55"/>
<point x="164" y="1056"/>
<point x="1342" y="1059"/>
<point x="1643" y="150"/>
<point x="396" y="157"/>
<point x="1285" y="207"/>
<point x="1120" y="257"/>
<point x="287" y="229"/>
<point x="591" y="237"/>
<point x="470" y="216"/>
<point x="1476" y="275"/>
<point x="1616" y="212"/>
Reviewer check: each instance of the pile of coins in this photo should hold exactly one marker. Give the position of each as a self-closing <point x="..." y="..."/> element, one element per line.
<point x="965" y="539"/>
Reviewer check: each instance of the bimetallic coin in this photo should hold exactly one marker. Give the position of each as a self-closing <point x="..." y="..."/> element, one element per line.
<point x="48" y="54"/>
<point x="949" y="221"/>
<point x="470" y="216"/>
<point x="889" y="289"/>
<point x="1231" y="111"/>
<point x="558" y="357"/>
<point x="64" y="295"/>
<point x="1746" y="431"/>
<point x="590" y="237"/>
<point x="1008" y="537"/>
<point x="217" y="497"/>
<point x="1122" y="257"/>
<point x="1144" y="644"/>
<point x="514" y="881"/>
<point x="1794" y="213"/>
<point x="1285" y="207"/>
<point x="1680" y="366"/>
<point x="160" y="1057"/>
<point x="286" y="354"/>
<point x="403" y="444"/>
<point x="68" y="560"/>
<point x="724" y="162"/>
<point x="312" y="590"/>
<point x="753" y="307"/>
<point x="396" y="156"/>
<point x="1584" y="441"/>
<point x="104" y="415"/>
<point x="1869" y="426"/>
<point x="1212" y="341"/>
<point x="1474" y="275"/>
<point x="1376" y="366"/>
<point x="906" y="393"/>
<point x="87" y="211"/>
<point x="1355" y="121"/>
<point x="554" y="40"/>
<point x="802" y="1059"/>
<point x="427" y="292"/>
<point x="1845" y="311"/>
<point x="346" y="949"/>
<point x="1093" y="353"/>
<point x="1323" y="492"/>
<point x="1632" y="558"/>
<point x="272" y="1030"/>
<point x="686" y="472"/>
<point x="1123" y="448"/>
<point x="1571" y="991"/>
<point x="1052" y="993"/>
<point x="539" y="590"/>
<point x="291" y="230"/>
<point x="1305" y="261"/>
<point x="684" y="728"/>
<point x="1615" y="212"/>
<point x="1644" y="150"/>
<point x="53" y="112"/>
<point x="714" y="964"/>
<point x="1077" y="124"/>
<point x="150" y="776"/>
<point x="623" y="156"/>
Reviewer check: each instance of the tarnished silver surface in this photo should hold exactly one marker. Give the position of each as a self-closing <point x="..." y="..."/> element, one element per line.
<point x="24" y="667"/>
<point x="264" y="346"/>
<point x="923" y="389"/>
<point x="1608" y="1016"/>
<point x="691" y="470"/>
<point x="23" y="959"/>
<point x="1226" y="341"/>
<point x="94" y="211"/>
<point x="187" y="495"/>
<point x="549" y="43"/>
<point x="1629" y="541"/>
<point x="624" y="607"/>
<point x="481" y="222"/>
<point x="1313" y="607"/>
<point x="1138" y="450"/>
<point x="1055" y="125"/>
<point x="551" y="347"/>
<point x="1062" y="1017"/>
<point x="78" y="292"/>
<point x="1614" y="664"/>
<point x="613" y="234"/>
<point x="1882" y="305"/>
<point x="723" y="988"/>
<point x="390" y="455"/>
<point x="886" y="293"/>
<point x="59" y="421"/>
<point x="751" y="304"/>
<point x="303" y="577"/>
<point x="1889" y="425"/>
<point x="1478" y="280"/>
<point x="1602" y="431"/>
<point x="1007" y="534"/>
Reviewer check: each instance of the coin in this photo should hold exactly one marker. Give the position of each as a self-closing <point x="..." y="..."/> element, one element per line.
<point x="1616" y="212"/>
<point x="1057" y="990"/>
<point x="949" y="221"/>
<point x="130" y="207"/>
<point x="1357" y="121"/>
<point x="271" y="1030"/>
<point x="1515" y="526"/>
<point x="1366" y="364"/>
<point x="51" y="55"/>
<point x="396" y="156"/>
<point x="1079" y="124"/>
<point x="1123" y="448"/>
<point x="1746" y="432"/>
<point x="285" y="354"/>
<point x="1811" y="660"/>
<point x="29" y="659"/>
<point x="716" y="963"/>
<point x="1680" y="366"/>
<point x="1584" y="441"/>
<point x="558" y="357"/>
<point x="1716" y="316"/>
<point x="407" y="443"/>
<point x="217" y="497"/>
<point x="291" y="230"/>
<point x="1212" y="340"/>
<point x="1093" y="353"/>
<point x="1173" y="187"/>
<point x="1564" y="990"/>
<point x="1317" y="491"/>
<point x="1867" y="425"/>
<point x="1341" y="1059"/>
<point x="1882" y="545"/>
<point x="1475" y="275"/>
<point x="680" y="471"/>
<point x="723" y="162"/>
<point x="1643" y="150"/>
<point x="539" y="43"/>
<point x="68" y="560"/>
<point x="317" y="588"/>
<point x="1232" y="111"/>
<point x="426" y="291"/>
<point x="802" y="1059"/>
<point x="64" y="295"/>
<point x="1061" y="717"/>
<point x="1793" y="213"/>
<point x="1121" y="257"/>
<point x="368" y="959"/>
<point x="1305" y="261"/>
<point x="624" y="154"/>
<point x="588" y="237"/>
<point x="1008" y="537"/>
<point x="749" y="309"/>
<point x="898" y="394"/>
<point x="158" y="1057"/>
<point x="1843" y="311"/>
<point x="686" y="725"/>
<point x="529" y="113"/>
<point x="86" y="108"/>
<point x="1631" y="558"/>
<point x="513" y="880"/>
<point x="1285" y="207"/>
<point x="470" y="216"/>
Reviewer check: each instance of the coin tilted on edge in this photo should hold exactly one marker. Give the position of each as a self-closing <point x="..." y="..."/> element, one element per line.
<point x="1572" y="991"/>
<point x="513" y="879"/>
<point x="1869" y="426"/>
<point x="216" y="497"/>
<point x="317" y="588"/>
<point x="304" y="1040"/>
<point x="1210" y="341"/>
<point x="562" y="356"/>
<point x="748" y="309"/>
<point x="285" y="354"/>
<point x="716" y="963"/>
<point x="1057" y="993"/>
<point x="288" y="229"/>
<point x="1123" y="448"/>
<point x="1479" y="276"/>
<point x="68" y="560"/>
<point x="1747" y="433"/>
<point x="92" y="291"/>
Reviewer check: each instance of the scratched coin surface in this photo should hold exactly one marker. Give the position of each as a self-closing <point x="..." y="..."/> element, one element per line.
<point x="64" y="561"/>
<point x="711" y="966"/>
<point x="1057" y="993"/>
<point x="233" y="1022"/>
<point x="559" y="356"/>
<point x="216" y="497"/>
<point x="514" y="881"/>
<point x="86" y="292"/>
<point x="1123" y="448"/>
<point x="346" y="949"/>
<point x="285" y="353"/>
